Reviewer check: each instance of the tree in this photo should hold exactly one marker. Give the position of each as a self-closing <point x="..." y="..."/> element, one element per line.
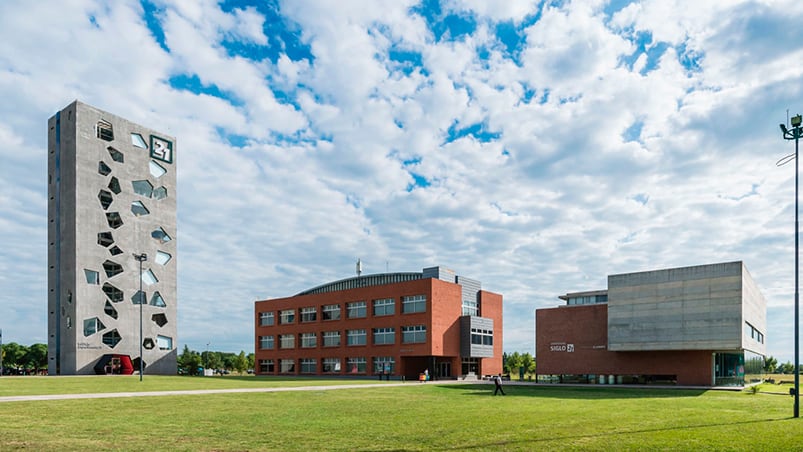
<point x="14" y="355"/>
<point x="528" y="362"/>
<point x="229" y="361"/>
<point x="189" y="361"/>
<point x="512" y="363"/>
<point x="36" y="357"/>
<point x="251" y="358"/>
<point x="770" y="365"/>
<point x="241" y="363"/>
<point x="787" y="368"/>
<point x="212" y="360"/>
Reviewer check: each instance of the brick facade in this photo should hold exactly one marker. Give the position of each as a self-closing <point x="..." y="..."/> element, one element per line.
<point x="584" y="331"/>
<point x="439" y="353"/>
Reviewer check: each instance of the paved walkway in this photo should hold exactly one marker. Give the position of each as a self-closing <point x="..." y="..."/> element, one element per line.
<point x="110" y="395"/>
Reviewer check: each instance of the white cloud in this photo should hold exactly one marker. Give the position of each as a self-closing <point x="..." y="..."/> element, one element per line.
<point x="553" y="201"/>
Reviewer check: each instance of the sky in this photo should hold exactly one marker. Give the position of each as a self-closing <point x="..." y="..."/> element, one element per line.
<point x="536" y="146"/>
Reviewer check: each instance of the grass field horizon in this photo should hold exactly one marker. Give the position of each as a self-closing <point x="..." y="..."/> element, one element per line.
<point x="414" y="416"/>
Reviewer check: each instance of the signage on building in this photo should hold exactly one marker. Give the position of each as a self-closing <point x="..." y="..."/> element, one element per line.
<point x="561" y="347"/>
<point x="161" y="149"/>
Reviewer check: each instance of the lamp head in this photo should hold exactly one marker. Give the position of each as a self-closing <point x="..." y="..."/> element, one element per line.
<point x="784" y="129"/>
<point x="796" y="120"/>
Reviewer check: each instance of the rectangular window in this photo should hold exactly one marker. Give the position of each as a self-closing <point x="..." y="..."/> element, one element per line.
<point x="92" y="326"/>
<point x="356" y="365"/>
<point x="355" y="337"/>
<point x="308" y="366"/>
<point x="266" y="342"/>
<point x="104" y="130"/>
<point x="164" y="342"/>
<point x="331" y="312"/>
<point x="482" y="337"/>
<point x="414" y="303"/>
<point x="308" y="340"/>
<point x="470" y="307"/>
<point x="414" y="334"/>
<point x="755" y="334"/>
<point x="356" y="310"/>
<point x="287" y="316"/>
<point x="92" y="277"/>
<point x="287" y="366"/>
<point x="384" y="336"/>
<point x="309" y="314"/>
<point x="265" y="318"/>
<point x="384" y="306"/>
<point x="266" y="366"/>
<point x="287" y="341"/>
<point x="331" y="365"/>
<point x="384" y="365"/>
<point x="331" y="338"/>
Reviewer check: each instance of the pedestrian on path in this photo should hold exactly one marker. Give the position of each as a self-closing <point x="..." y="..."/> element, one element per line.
<point x="498" y="384"/>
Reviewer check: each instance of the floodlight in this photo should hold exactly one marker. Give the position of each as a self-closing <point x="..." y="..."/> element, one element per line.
<point x="784" y="129"/>
<point x="797" y="120"/>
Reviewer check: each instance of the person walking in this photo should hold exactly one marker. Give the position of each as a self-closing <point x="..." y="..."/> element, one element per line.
<point x="498" y="384"/>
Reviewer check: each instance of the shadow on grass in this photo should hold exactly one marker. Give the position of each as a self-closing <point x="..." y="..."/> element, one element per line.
<point x="573" y="392"/>
<point x="610" y="434"/>
<point x="259" y="379"/>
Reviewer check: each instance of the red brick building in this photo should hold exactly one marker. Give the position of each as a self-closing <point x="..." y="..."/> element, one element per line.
<point x="702" y="325"/>
<point x="393" y="324"/>
<point x="572" y="347"/>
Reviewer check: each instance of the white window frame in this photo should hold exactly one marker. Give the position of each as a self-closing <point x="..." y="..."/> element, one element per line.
<point x="305" y="363"/>
<point x="416" y="334"/>
<point x="358" y="333"/>
<point x="331" y="338"/>
<point x="308" y="314"/>
<point x="331" y="363"/>
<point x="287" y="316"/>
<point x="414" y="303"/>
<point x="309" y="340"/>
<point x="354" y="308"/>
<point x="266" y="343"/>
<point x="388" y="335"/>
<point x="287" y="341"/>
<point x="266" y="318"/>
<point x="382" y="305"/>
<point x="330" y="310"/>
<point x="359" y="362"/>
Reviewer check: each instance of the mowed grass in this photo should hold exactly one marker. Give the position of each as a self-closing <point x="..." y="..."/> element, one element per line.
<point x="414" y="416"/>
<point x="13" y="386"/>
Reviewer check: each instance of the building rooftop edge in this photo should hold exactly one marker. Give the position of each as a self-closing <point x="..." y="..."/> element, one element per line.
<point x="583" y="294"/>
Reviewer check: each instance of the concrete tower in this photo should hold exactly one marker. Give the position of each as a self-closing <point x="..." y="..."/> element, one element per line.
<point x="111" y="197"/>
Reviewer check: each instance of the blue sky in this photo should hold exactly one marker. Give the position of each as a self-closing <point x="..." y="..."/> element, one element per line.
<point x="534" y="146"/>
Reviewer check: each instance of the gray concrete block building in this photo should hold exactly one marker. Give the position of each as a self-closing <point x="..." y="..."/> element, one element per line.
<point x="698" y="325"/>
<point x="111" y="200"/>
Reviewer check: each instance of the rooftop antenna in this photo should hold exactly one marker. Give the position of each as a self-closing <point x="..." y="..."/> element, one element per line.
<point x="359" y="267"/>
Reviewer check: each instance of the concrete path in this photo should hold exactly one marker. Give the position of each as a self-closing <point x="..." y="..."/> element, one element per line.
<point x="110" y="395"/>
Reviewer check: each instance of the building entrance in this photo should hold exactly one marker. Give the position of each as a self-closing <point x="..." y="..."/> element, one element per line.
<point x="445" y="370"/>
<point x="728" y="369"/>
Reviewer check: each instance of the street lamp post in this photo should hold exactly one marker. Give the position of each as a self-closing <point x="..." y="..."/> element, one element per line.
<point x="794" y="134"/>
<point x="141" y="258"/>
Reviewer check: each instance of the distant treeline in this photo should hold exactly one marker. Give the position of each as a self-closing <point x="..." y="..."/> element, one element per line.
<point x="30" y="360"/>
<point x="24" y="360"/>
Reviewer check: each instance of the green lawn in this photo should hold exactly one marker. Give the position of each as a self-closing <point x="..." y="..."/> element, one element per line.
<point x="12" y="386"/>
<point x="411" y="417"/>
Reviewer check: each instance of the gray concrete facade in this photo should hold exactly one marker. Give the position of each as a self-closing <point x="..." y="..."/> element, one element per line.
<point x="714" y="307"/>
<point x="111" y="195"/>
<point x="480" y="327"/>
